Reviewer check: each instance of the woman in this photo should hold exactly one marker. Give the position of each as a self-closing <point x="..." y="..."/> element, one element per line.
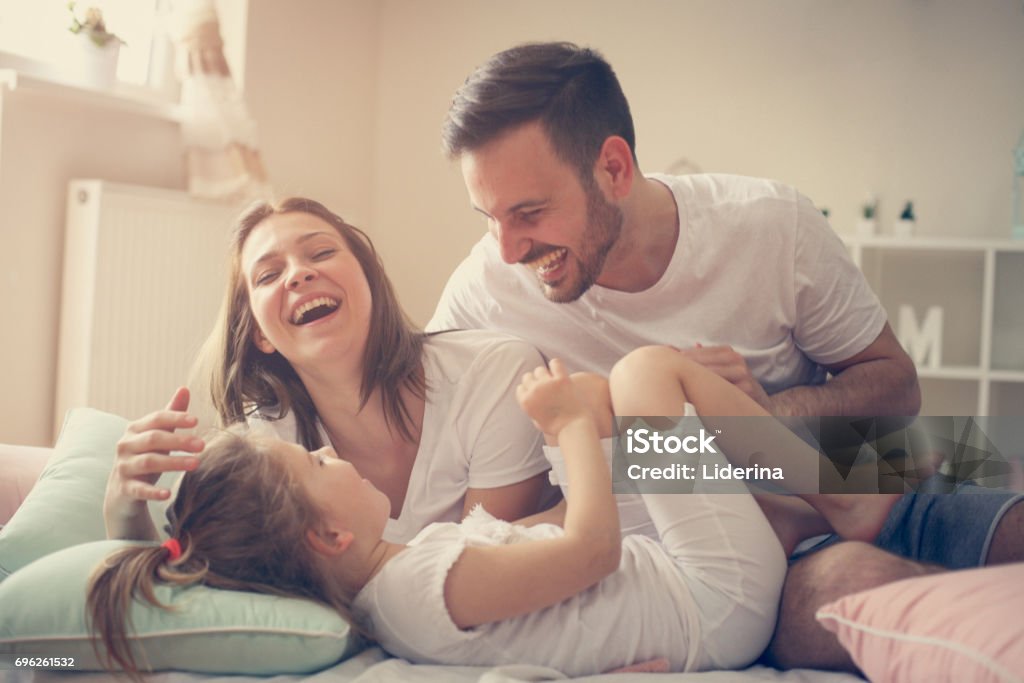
<point x="312" y="340"/>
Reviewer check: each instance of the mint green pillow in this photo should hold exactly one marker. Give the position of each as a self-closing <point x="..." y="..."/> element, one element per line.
<point x="42" y="613"/>
<point x="50" y="546"/>
<point x="65" y="507"/>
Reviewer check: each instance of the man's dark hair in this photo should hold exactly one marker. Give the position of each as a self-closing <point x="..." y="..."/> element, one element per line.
<point x="571" y="90"/>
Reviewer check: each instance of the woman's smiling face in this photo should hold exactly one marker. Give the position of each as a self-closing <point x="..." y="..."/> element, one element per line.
<point x="307" y="291"/>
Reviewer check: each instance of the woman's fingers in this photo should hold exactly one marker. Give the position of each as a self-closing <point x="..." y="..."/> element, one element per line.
<point x="153" y="463"/>
<point x="143" y="453"/>
<point x="179" y="402"/>
<point x="167" y="420"/>
<point x="142" y="491"/>
<point x="158" y="441"/>
<point x="170" y="418"/>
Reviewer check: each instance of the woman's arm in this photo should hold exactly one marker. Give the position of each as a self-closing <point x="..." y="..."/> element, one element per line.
<point x="499" y="582"/>
<point x="507" y="470"/>
<point x="511" y="502"/>
<point x="143" y="454"/>
<point x="553" y="515"/>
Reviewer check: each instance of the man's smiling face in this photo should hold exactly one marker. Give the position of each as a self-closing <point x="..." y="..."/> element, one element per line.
<point x="540" y="212"/>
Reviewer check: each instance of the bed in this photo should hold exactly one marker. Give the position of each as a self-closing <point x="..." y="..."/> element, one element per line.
<point x="962" y="626"/>
<point x="373" y="666"/>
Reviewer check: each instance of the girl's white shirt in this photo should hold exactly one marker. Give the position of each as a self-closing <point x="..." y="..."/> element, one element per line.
<point x="641" y="612"/>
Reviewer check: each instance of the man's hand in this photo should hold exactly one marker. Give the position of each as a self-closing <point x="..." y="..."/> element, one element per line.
<point x="730" y="365"/>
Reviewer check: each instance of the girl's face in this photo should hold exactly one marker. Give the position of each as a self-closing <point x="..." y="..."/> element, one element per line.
<point x="348" y="501"/>
<point x="307" y="291"/>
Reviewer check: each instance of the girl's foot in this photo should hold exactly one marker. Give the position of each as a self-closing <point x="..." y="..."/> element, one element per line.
<point x="857" y="516"/>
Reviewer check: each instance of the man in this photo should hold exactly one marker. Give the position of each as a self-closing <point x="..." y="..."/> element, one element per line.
<point x="588" y="259"/>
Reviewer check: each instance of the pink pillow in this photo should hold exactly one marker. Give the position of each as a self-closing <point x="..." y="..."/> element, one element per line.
<point x="954" y="626"/>
<point x="20" y="466"/>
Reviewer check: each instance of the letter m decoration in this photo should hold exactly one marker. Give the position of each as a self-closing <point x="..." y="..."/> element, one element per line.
<point x="923" y="342"/>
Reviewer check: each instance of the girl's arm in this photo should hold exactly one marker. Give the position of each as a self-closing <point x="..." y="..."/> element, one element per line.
<point x="499" y="582"/>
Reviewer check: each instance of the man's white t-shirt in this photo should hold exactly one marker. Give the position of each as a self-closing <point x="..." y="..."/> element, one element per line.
<point x="474" y="433"/>
<point x="756" y="267"/>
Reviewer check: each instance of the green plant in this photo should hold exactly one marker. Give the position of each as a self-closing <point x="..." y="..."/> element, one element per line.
<point x="92" y="26"/>
<point x="908" y="212"/>
<point x="869" y="208"/>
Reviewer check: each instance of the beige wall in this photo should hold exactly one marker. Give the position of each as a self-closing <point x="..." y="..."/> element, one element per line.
<point x="310" y="83"/>
<point x="45" y="140"/>
<point x="909" y="99"/>
<point x="916" y="99"/>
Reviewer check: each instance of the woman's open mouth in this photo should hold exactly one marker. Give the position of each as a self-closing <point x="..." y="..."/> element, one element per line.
<point x="314" y="309"/>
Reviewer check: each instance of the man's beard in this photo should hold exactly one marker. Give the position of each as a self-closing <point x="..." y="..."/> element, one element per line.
<point x="604" y="225"/>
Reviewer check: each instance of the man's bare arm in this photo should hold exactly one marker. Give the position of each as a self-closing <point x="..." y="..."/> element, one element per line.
<point x="880" y="380"/>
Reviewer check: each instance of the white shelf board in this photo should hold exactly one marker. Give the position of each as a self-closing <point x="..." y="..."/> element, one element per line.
<point x="970" y="373"/>
<point x="121" y="97"/>
<point x="1006" y="375"/>
<point x="934" y="243"/>
<point x="950" y="372"/>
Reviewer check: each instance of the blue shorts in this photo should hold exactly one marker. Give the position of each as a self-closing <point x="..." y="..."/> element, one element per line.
<point x="953" y="530"/>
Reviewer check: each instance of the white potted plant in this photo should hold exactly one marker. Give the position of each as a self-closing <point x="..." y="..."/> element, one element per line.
<point x="95" y="59"/>
<point x="867" y="226"/>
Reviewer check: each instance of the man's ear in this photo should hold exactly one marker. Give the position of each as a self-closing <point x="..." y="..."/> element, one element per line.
<point x="329" y="542"/>
<point x="261" y="342"/>
<point x="614" y="169"/>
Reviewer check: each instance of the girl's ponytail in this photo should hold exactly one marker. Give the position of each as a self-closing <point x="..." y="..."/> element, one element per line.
<point x="126" y="575"/>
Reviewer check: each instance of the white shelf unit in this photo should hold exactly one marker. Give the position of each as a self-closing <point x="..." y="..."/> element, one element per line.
<point x="979" y="284"/>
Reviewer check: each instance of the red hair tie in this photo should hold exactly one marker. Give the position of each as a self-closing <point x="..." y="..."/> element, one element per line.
<point x="173" y="547"/>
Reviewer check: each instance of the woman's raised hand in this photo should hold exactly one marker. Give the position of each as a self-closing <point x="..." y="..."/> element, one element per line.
<point x="550" y="398"/>
<point x="143" y="454"/>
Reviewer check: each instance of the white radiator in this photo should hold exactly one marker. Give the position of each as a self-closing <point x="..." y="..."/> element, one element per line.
<point x="144" y="273"/>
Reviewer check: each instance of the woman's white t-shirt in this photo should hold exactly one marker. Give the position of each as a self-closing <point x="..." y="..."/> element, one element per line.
<point x="475" y="436"/>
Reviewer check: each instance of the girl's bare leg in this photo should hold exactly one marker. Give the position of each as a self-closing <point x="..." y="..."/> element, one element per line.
<point x="792" y="519"/>
<point x="731" y="563"/>
<point x="656" y="381"/>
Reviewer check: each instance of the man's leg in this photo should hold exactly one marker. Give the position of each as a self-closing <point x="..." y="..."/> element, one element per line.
<point x="1008" y="539"/>
<point x="970" y="528"/>
<point x="812" y="582"/>
<point x="939" y="531"/>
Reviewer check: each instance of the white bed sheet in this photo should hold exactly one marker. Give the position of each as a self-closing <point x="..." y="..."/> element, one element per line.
<point x="373" y="666"/>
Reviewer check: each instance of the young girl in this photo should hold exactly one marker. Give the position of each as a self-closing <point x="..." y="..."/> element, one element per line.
<point x="485" y="592"/>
